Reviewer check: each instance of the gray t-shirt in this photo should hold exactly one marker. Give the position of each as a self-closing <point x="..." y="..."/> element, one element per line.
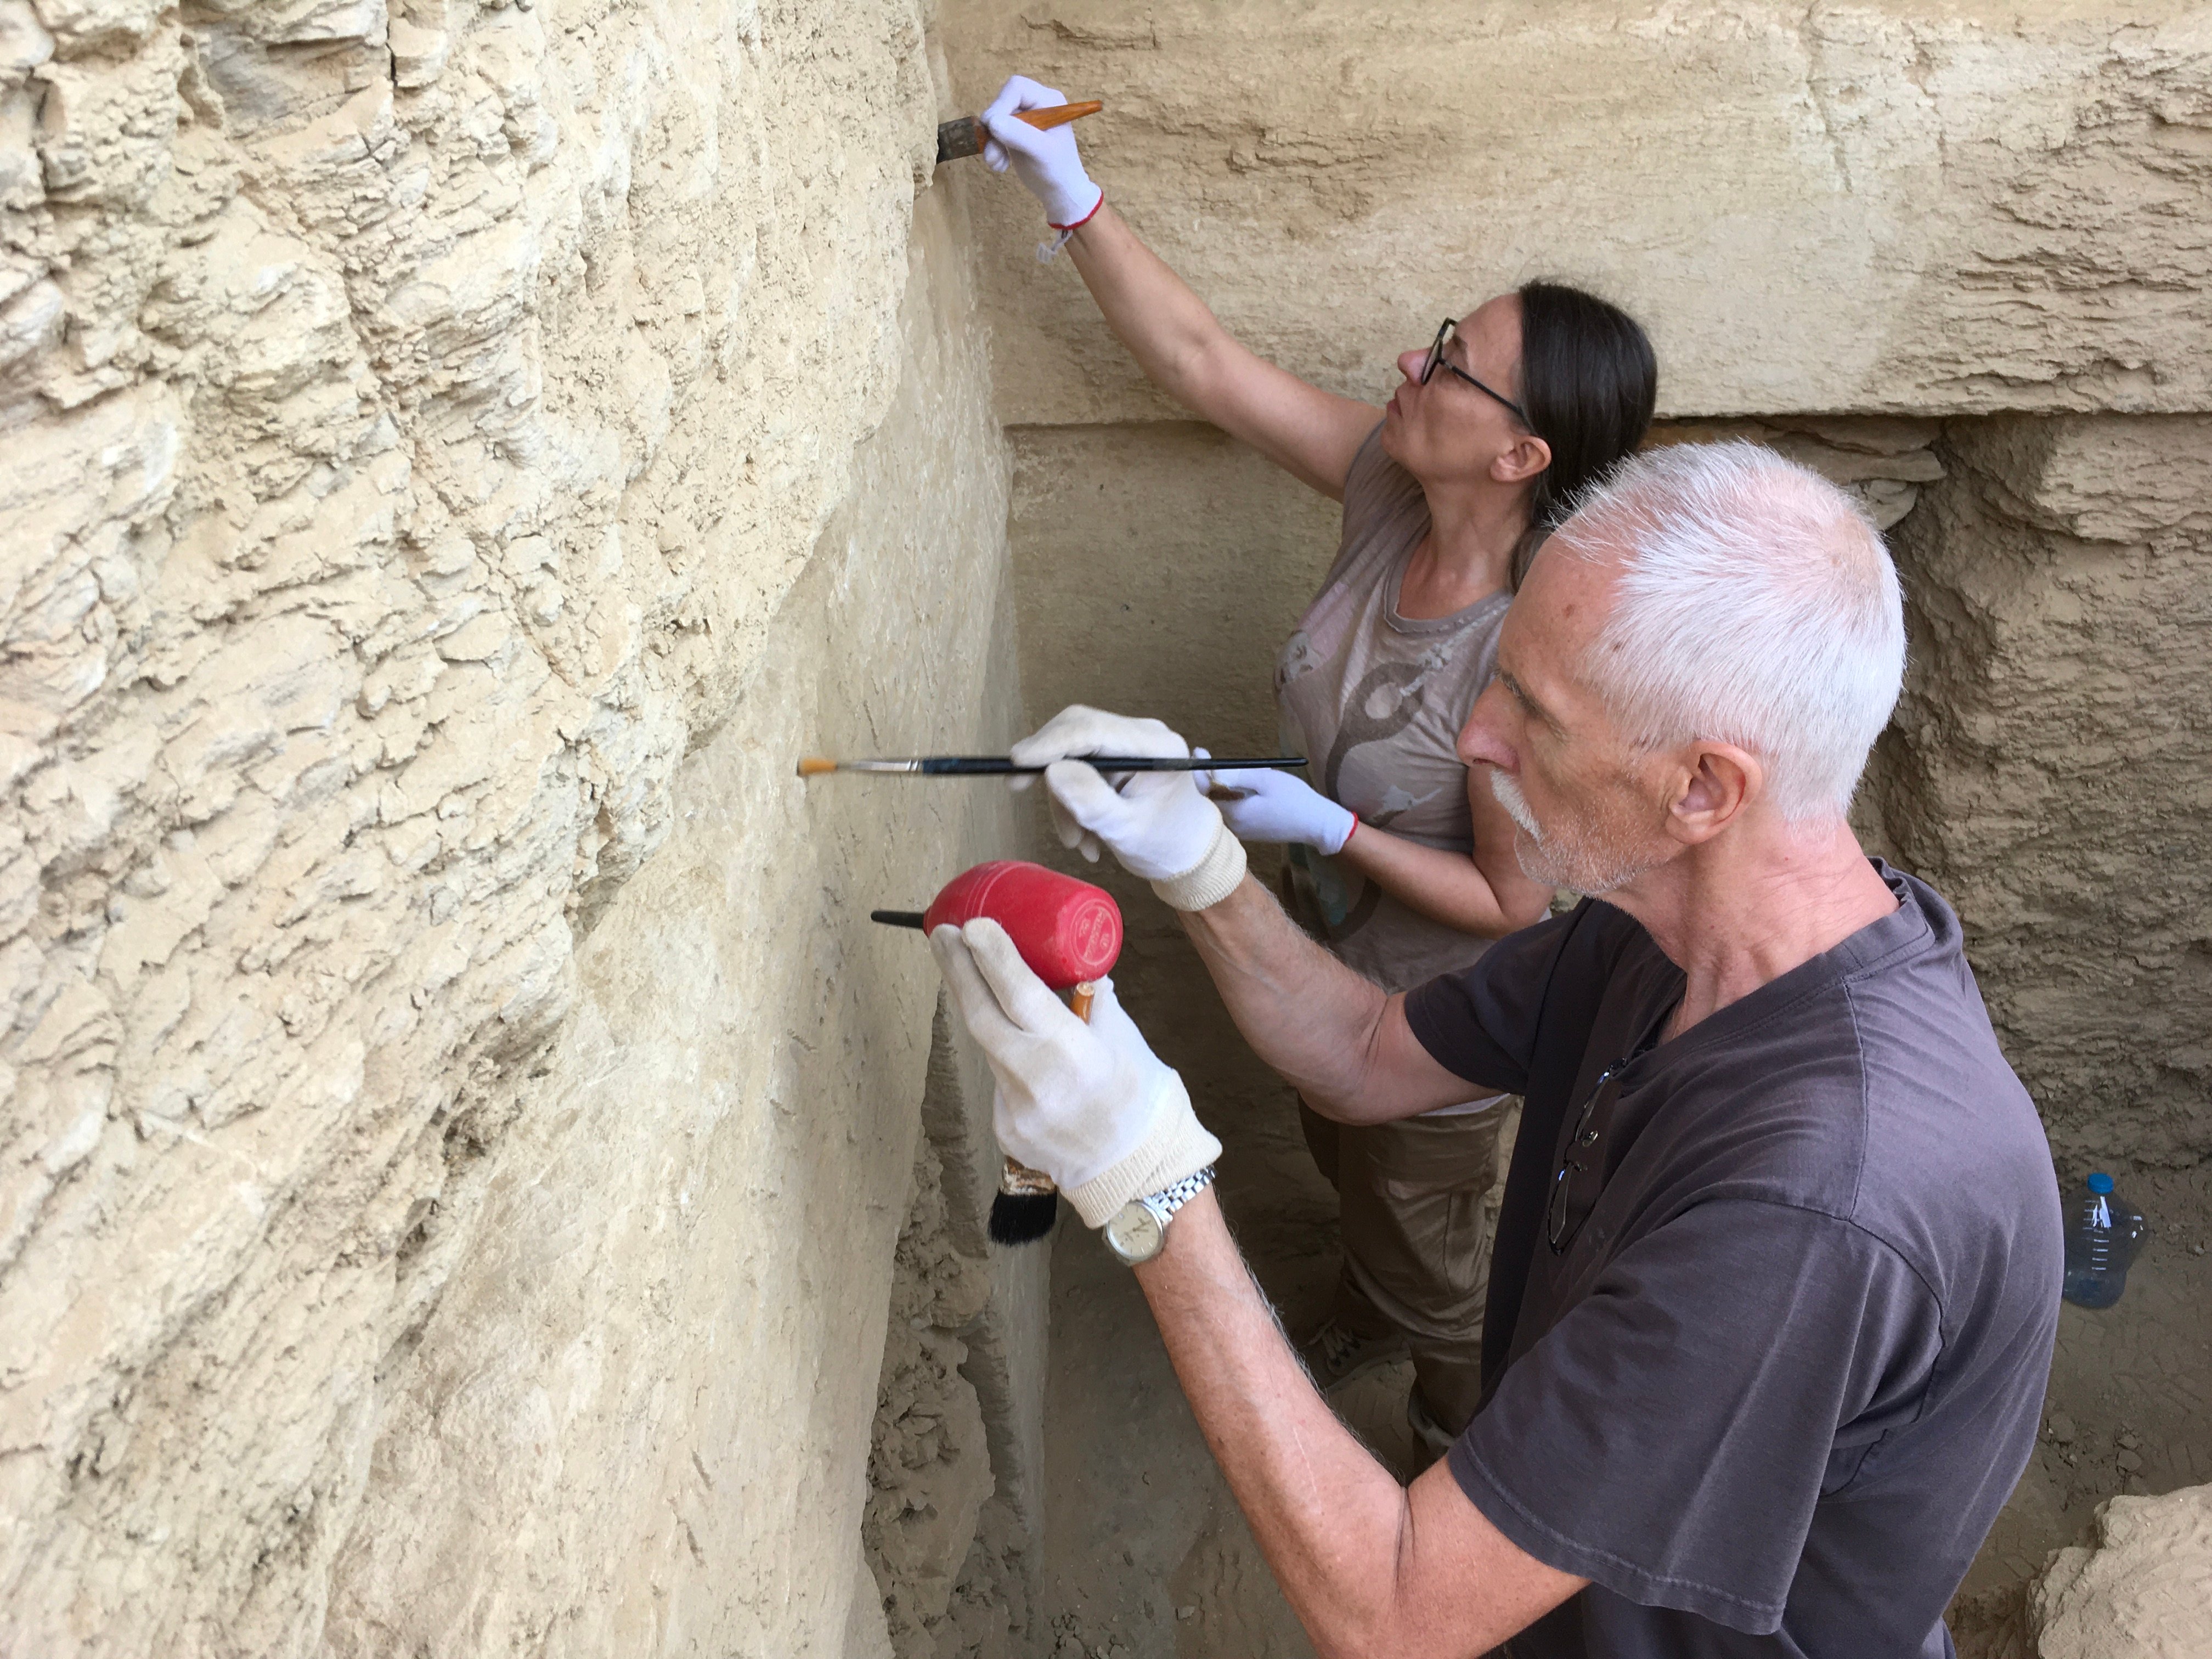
<point x="1788" y="1360"/>
<point x="1377" y="700"/>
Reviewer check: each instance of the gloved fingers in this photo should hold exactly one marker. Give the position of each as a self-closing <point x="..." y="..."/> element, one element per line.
<point x="980" y="1011"/>
<point x="1202" y="782"/>
<point x="1071" y="835"/>
<point x="1087" y="798"/>
<point x="1008" y="1129"/>
<point x="1019" y="137"/>
<point x="995" y="156"/>
<point x="1028" y="1002"/>
<point x="1111" y="1021"/>
<point x="1268" y="783"/>
<point x="1020" y="93"/>
<point x="1077" y="731"/>
<point x="1242" y="816"/>
<point x="1154" y="788"/>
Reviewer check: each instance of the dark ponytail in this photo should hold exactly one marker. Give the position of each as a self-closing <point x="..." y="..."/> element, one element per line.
<point x="1589" y="380"/>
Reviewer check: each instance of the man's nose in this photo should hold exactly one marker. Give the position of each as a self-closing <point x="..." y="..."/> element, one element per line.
<point x="1411" y="363"/>
<point x="1482" y="740"/>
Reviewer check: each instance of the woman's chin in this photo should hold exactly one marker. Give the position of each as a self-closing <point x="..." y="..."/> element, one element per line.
<point x="1392" y="431"/>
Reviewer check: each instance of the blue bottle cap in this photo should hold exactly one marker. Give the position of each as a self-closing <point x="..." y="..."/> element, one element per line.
<point x="2100" y="1183"/>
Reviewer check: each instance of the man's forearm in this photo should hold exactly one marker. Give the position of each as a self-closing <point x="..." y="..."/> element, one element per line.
<point x="1326" y="1514"/>
<point x="1368" y="1566"/>
<point x="1305" y="1013"/>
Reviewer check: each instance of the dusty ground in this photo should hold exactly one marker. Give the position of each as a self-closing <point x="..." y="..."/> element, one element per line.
<point x="2130" y="1409"/>
<point x="1146" y="1554"/>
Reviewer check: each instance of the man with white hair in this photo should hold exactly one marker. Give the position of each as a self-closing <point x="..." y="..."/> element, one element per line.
<point x="1778" y="1272"/>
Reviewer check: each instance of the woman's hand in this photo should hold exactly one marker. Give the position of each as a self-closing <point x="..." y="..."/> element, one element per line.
<point x="1273" y="806"/>
<point x="1048" y="163"/>
<point x="1178" y="343"/>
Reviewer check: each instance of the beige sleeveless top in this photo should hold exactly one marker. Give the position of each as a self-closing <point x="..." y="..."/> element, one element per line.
<point x="1376" y="701"/>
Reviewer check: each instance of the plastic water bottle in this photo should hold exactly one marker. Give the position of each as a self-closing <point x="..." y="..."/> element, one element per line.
<point x="2102" y="1236"/>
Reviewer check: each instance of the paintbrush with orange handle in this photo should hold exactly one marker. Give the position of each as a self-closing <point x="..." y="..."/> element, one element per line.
<point x="966" y="136"/>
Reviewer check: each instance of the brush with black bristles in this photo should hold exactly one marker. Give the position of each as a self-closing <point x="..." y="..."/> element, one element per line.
<point x="1069" y="932"/>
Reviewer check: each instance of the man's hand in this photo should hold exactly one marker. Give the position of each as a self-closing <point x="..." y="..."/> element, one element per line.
<point x="1156" y="824"/>
<point x="1047" y="162"/>
<point x="1276" y="807"/>
<point x="1089" y="1104"/>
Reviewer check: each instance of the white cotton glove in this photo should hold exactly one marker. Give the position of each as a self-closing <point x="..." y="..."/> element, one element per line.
<point x="1277" y="806"/>
<point x="1089" y="1104"/>
<point x="1047" y="162"/>
<point x="1159" y="824"/>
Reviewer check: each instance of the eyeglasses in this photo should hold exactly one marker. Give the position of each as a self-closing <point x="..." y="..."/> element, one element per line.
<point x="1445" y="336"/>
<point x="1584" y="1136"/>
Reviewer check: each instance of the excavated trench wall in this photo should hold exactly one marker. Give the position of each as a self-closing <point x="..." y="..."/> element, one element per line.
<point x="459" y="1119"/>
<point x="1956" y="257"/>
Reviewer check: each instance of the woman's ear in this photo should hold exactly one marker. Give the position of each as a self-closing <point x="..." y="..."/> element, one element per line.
<point x="1527" y="458"/>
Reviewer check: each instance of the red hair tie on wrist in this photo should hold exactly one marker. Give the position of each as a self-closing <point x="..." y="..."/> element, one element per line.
<point x="1046" y="250"/>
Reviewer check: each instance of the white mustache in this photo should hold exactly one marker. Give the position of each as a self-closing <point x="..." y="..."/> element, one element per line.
<point x="1507" y="793"/>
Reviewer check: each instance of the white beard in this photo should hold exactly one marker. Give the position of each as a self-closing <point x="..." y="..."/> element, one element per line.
<point x="1580" y="857"/>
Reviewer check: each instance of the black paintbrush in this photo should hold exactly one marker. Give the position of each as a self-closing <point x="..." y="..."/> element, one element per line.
<point x="976" y="766"/>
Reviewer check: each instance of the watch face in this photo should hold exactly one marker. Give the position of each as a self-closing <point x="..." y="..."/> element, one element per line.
<point x="1134" y="1233"/>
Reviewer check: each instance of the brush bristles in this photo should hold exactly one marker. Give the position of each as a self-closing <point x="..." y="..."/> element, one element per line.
<point x="1023" y="1218"/>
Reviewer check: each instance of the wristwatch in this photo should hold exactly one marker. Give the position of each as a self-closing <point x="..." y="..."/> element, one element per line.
<point x="1138" y="1231"/>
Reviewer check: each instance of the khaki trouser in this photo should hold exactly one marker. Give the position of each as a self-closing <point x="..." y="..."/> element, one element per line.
<point x="1416" y="1241"/>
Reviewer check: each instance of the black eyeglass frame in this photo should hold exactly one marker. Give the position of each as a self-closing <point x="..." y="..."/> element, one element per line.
<point x="1446" y="334"/>
<point x="1557" y="1233"/>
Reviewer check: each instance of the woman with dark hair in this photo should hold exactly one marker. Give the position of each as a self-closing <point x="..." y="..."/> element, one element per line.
<point x="1401" y="860"/>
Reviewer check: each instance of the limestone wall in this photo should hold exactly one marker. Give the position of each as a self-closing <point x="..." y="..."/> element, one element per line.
<point x="452" y="458"/>
<point x="1955" y="257"/>
<point x="1880" y="206"/>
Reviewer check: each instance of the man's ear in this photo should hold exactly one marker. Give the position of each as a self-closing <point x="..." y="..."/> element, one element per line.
<point x="1529" y="456"/>
<point x="1712" y="792"/>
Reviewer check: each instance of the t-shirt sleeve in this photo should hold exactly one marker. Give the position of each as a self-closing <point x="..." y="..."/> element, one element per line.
<point x="1366" y="483"/>
<point x="1375" y="487"/>
<point x="1669" y="1438"/>
<point x="1481" y="1023"/>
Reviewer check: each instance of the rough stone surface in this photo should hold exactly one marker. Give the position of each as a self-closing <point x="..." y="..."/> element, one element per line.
<point x="2047" y="767"/>
<point x="930" y="1472"/>
<point x="954" y="1522"/>
<point x="2142" y="1589"/>
<point x="457" y="1116"/>
<point x="1882" y="207"/>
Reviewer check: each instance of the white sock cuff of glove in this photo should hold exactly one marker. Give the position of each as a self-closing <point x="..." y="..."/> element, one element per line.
<point x="1213" y="879"/>
<point x="1180" y="1147"/>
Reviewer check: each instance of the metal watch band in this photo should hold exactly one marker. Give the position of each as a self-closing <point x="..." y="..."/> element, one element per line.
<point x="1165" y="1203"/>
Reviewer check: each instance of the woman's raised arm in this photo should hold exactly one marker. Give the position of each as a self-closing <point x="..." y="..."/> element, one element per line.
<point x="1178" y="343"/>
<point x="1185" y="351"/>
